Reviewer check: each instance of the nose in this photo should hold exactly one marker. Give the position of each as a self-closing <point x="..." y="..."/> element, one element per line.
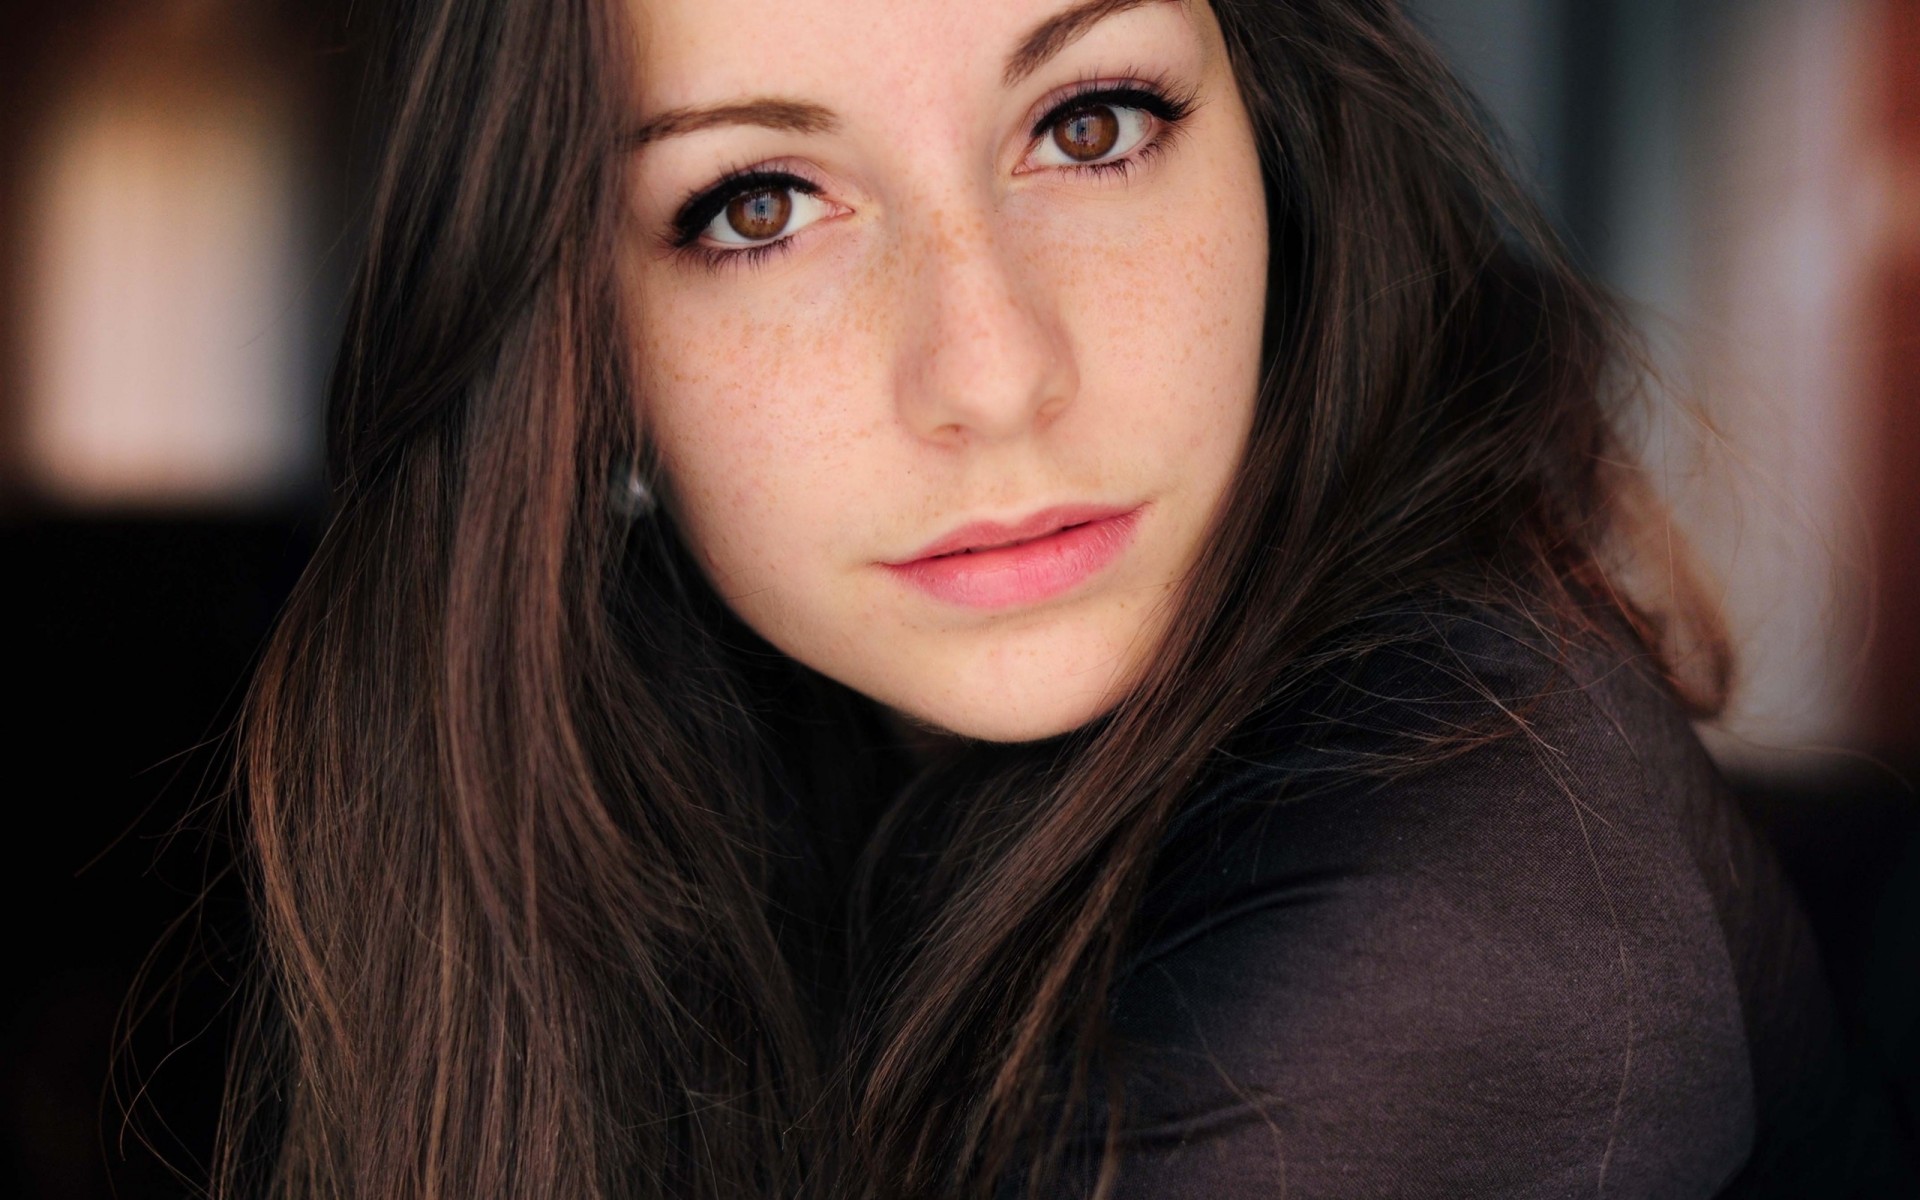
<point x="983" y="356"/>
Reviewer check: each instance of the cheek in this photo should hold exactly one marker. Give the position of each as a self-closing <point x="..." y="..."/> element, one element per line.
<point x="752" y="423"/>
<point x="1167" y="318"/>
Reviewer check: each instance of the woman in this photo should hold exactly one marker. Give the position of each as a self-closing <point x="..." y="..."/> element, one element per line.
<point x="989" y="596"/>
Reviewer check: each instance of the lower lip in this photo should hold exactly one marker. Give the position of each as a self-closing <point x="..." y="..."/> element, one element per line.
<point x="1024" y="574"/>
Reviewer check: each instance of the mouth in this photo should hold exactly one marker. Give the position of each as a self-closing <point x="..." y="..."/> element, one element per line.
<point x="1015" y="542"/>
<point x="992" y="566"/>
<point x="979" y="537"/>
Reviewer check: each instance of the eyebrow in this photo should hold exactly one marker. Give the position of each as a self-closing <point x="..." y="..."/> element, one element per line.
<point x="792" y="116"/>
<point x="1061" y="30"/>
<point x="1046" y="39"/>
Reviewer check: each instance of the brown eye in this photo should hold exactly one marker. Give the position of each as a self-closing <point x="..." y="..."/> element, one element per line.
<point x="757" y="216"/>
<point x="1089" y="134"/>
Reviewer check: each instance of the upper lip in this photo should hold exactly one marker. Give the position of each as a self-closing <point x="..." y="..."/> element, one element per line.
<point x="986" y="535"/>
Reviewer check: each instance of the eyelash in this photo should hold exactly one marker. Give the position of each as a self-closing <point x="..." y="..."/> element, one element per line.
<point x="1166" y="103"/>
<point x="698" y="213"/>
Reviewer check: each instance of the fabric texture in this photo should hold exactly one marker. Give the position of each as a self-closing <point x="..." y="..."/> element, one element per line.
<point x="1553" y="962"/>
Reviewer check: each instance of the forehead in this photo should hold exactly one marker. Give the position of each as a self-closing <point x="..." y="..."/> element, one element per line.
<point x="698" y="51"/>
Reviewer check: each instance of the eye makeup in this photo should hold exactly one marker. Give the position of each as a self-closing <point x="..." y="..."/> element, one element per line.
<point x="699" y="212"/>
<point x="1156" y="97"/>
<point x="1168" y="105"/>
<point x="1169" y="111"/>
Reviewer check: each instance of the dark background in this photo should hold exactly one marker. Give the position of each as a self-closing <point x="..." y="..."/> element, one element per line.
<point x="132" y="616"/>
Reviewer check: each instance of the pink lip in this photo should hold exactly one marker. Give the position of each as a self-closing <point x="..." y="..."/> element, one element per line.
<point x="989" y="565"/>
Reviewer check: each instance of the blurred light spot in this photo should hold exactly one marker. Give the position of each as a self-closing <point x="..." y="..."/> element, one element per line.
<point x="167" y="339"/>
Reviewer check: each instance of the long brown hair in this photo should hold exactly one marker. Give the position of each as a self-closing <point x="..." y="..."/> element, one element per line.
<point x="569" y="886"/>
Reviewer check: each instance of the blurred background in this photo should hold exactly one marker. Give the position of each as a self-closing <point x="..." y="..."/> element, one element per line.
<point x="179" y="192"/>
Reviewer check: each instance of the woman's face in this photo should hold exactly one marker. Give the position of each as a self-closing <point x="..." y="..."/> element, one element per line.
<point x="916" y="277"/>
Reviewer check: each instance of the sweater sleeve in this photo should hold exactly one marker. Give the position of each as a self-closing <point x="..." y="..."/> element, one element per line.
<point x="1505" y="975"/>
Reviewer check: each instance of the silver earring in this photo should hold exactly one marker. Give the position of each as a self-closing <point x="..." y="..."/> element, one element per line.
<point x="633" y="496"/>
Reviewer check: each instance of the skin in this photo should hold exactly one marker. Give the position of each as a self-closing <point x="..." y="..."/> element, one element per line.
<point x="963" y="326"/>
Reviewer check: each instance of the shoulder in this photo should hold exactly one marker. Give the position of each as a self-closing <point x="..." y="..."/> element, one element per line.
<point x="1466" y="738"/>
<point x="1503" y="971"/>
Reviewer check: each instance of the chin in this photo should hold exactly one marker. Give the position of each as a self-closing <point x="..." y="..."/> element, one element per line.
<point x="1048" y="680"/>
<point x="992" y="719"/>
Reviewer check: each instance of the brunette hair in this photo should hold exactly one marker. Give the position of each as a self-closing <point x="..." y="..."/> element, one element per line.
<point x="522" y="798"/>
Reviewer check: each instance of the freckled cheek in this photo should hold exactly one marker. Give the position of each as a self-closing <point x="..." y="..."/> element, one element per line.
<point x="756" y="414"/>
<point x="1164" y="311"/>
